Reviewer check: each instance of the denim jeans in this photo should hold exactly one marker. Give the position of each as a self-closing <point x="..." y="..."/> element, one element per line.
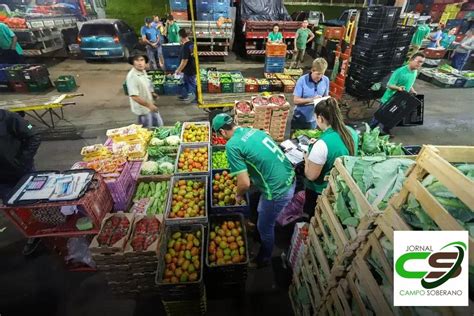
<point x="188" y="86"/>
<point x="154" y="56"/>
<point x="267" y="214"/>
<point x="459" y="60"/>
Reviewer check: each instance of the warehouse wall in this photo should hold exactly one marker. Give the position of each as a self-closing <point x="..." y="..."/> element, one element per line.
<point x="134" y="11"/>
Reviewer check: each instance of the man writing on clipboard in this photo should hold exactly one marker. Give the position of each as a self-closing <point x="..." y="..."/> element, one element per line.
<point x="308" y="88"/>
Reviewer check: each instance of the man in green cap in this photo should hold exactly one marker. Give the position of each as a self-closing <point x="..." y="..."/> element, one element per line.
<point x="254" y="157"/>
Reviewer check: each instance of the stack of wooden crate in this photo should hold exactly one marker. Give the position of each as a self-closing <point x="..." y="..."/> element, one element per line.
<point x="352" y="269"/>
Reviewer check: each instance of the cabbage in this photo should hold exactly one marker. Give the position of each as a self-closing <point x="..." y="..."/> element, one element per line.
<point x="166" y="168"/>
<point x="149" y="168"/>
<point x="172" y="140"/>
<point x="156" y="142"/>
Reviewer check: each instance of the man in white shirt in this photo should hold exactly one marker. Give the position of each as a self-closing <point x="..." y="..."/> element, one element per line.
<point x="140" y="91"/>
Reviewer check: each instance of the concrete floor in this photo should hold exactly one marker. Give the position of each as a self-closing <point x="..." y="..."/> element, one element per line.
<point x="41" y="282"/>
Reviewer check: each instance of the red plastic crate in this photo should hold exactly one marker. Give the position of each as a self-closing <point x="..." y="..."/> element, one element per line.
<point x="254" y="35"/>
<point x="335" y="90"/>
<point x="334" y="32"/>
<point x="180" y="15"/>
<point x="278" y="50"/>
<point x="19" y="87"/>
<point x="438" y="7"/>
<point x="212" y="88"/>
<point x="95" y="204"/>
<point x="250" y="88"/>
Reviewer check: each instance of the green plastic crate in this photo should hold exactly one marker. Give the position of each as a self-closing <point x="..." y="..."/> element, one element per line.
<point x="40" y="86"/>
<point x="125" y="89"/>
<point x="65" y="83"/>
<point x="159" y="89"/>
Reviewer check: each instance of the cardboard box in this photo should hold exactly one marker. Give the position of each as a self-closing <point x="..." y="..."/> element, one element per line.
<point x="119" y="246"/>
<point x="152" y="250"/>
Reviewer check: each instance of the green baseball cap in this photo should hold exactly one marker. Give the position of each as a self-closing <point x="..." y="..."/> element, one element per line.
<point x="220" y="120"/>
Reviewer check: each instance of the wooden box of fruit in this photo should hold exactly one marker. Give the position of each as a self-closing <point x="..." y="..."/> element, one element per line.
<point x="279" y="101"/>
<point x="227" y="254"/>
<point x="180" y="266"/>
<point x="193" y="159"/>
<point x="223" y="188"/>
<point x="196" y="132"/>
<point x="188" y="200"/>
<point x="145" y="236"/>
<point x="113" y="234"/>
<point x="151" y="196"/>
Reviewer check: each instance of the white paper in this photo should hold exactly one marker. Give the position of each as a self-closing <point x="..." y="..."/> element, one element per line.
<point x="295" y="156"/>
<point x="316" y="101"/>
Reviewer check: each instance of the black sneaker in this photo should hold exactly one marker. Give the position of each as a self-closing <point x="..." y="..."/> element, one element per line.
<point x="30" y="246"/>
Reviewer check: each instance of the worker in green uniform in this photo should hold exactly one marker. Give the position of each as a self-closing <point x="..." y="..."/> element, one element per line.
<point x="10" y="51"/>
<point x="275" y="37"/>
<point x="172" y="30"/>
<point x="422" y="31"/>
<point x="448" y="38"/>
<point x="303" y="37"/>
<point x="255" y="158"/>
<point x="402" y="79"/>
<point x="336" y="140"/>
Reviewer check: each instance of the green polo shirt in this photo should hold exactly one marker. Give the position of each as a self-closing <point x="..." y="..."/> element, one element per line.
<point x="273" y="37"/>
<point x="6" y="39"/>
<point x="255" y="152"/>
<point x="336" y="148"/>
<point x="421" y="32"/>
<point x="173" y="36"/>
<point x="402" y="77"/>
<point x="302" y="35"/>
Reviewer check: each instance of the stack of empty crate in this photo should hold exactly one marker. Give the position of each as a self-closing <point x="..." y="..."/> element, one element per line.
<point x="380" y="47"/>
<point x="275" y="56"/>
<point x="212" y="10"/>
<point x="179" y="9"/>
<point x="25" y="78"/>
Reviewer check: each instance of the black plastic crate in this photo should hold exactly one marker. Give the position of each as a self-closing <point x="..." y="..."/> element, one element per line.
<point x="230" y="273"/>
<point x="187" y="307"/>
<point x="375" y="39"/>
<point x="35" y="73"/>
<point x="412" y="149"/>
<point x="379" y="17"/>
<point x="365" y="73"/>
<point x="415" y="117"/>
<point x="405" y="33"/>
<point x="400" y="106"/>
<point x="216" y="209"/>
<point x="367" y="57"/>
<point x="366" y="94"/>
<point x="180" y="291"/>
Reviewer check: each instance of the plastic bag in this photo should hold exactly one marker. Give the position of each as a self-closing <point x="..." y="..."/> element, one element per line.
<point x="78" y="251"/>
<point x="293" y="211"/>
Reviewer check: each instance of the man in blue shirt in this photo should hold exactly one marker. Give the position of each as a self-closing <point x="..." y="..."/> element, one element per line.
<point x="151" y="37"/>
<point x="309" y="87"/>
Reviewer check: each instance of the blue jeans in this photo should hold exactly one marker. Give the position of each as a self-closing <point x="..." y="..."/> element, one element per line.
<point x="188" y="86"/>
<point x="267" y="214"/>
<point x="154" y="54"/>
<point x="459" y="60"/>
<point x="152" y="119"/>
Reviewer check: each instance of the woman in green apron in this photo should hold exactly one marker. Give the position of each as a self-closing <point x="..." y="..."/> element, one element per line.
<point x="336" y="140"/>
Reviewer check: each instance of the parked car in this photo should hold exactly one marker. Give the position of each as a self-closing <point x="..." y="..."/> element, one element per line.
<point x="106" y="39"/>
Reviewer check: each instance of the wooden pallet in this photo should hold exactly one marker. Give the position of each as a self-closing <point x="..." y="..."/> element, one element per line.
<point x="437" y="161"/>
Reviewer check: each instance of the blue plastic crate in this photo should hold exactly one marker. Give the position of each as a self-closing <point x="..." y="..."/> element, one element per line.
<point x="215" y="209"/>
<point x="275" y="61"/>
<point x="204" y="5"/>
<point x="171" y="50"/>
<point x="217" y="15"/>
<point x="274" y="69"/>
<point x="3" y="73"/>
<point x="171" y="88"/>
<point x="204" y="16"/>
<point x="171" y="63"/>
<point x="222" y="6"/>
<point x="178" y="5"/>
